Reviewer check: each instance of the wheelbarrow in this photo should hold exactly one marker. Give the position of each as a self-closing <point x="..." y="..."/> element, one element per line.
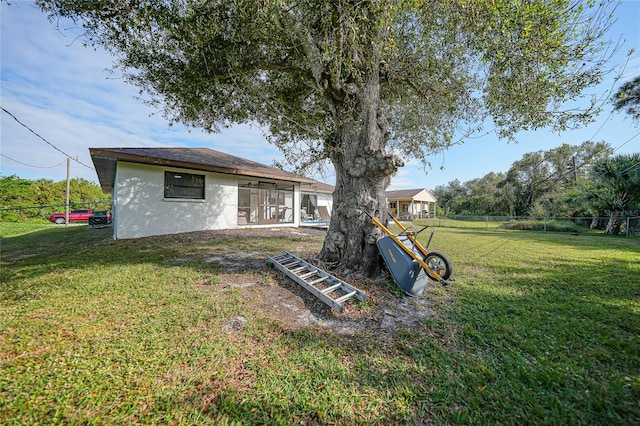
<point x="411" y="264"/>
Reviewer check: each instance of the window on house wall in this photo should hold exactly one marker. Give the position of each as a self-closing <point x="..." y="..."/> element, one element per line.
<point x="183" y="186"/>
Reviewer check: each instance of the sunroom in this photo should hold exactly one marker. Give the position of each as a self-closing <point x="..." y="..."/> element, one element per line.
<point x="263" y="202"/>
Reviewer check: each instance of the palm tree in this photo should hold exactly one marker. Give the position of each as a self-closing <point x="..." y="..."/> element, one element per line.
<point x="617" y="182"/>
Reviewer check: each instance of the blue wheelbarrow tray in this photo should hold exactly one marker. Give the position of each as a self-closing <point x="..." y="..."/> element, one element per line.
<point x="406" y="271"/>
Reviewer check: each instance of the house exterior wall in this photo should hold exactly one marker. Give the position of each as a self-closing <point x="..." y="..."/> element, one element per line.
<point x="139" y="208"/>
<point x="326" y="200"/>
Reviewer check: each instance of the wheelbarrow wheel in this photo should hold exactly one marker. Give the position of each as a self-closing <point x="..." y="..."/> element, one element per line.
<point x="439" y="263"/>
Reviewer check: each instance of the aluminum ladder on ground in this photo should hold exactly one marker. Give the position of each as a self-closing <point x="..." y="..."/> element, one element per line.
<point x="318" y="282"/>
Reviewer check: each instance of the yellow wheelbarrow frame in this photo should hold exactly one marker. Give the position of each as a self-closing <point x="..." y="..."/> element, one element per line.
<point x="420" y="257"/>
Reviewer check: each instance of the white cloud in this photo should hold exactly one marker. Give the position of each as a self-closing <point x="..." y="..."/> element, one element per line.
<point x="64" y="92"/>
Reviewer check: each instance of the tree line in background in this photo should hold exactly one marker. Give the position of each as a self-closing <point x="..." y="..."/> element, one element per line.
<point x="567" y="181"/>
<point x="24" y="200"/>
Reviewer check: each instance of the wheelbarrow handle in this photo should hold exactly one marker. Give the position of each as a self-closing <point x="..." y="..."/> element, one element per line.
<point x="417" y="232"/>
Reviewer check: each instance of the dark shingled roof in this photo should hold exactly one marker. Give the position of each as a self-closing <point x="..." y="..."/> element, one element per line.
<point x="403" y="193"/>
<point x="316" y="186"/>
<point x="203" y="159"/>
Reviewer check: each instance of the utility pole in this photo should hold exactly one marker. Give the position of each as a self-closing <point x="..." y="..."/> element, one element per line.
<point x="66" y="215"/>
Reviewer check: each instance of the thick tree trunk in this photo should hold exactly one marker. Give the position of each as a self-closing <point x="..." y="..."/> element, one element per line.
<point x="363" y="170"/>
<point x="596" y="223"/>
<point x="613" y="226"/>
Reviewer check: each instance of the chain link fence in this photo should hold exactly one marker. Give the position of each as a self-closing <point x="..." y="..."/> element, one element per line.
<point x="618" y="225"/>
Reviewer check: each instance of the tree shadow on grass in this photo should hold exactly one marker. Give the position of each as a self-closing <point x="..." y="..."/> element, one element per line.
<point x="507" y="343"/>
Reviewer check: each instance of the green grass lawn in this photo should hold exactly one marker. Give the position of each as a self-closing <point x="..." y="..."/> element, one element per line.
<point x="537" y="329"/>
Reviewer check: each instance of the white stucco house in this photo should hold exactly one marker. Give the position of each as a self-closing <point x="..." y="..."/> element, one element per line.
<point x="158" y="191"/>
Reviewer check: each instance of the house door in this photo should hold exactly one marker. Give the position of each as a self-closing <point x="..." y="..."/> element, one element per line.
<point x="268" y="208"/>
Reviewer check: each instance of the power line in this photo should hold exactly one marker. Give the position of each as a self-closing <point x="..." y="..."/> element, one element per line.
<point x="601" y="126"/>
<point x="31" y="165"/>
<point x="627" y="141"/>
<point x="49" y="143"/>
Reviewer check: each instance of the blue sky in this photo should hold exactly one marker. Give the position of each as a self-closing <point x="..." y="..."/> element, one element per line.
<point x="64" y="92"/>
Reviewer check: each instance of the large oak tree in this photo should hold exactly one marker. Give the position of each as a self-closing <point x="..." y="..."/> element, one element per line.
<point x="362" y="84"/>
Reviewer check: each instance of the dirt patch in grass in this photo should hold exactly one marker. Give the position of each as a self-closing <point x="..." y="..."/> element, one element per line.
<point x="268" y="293"/>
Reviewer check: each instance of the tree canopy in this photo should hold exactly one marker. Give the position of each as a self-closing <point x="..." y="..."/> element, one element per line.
<point x="541" y="183"/>
<point x="363" y="84"/>
<point x="34" y="200"/>
<point x="618" y="183"/>
<point x="627" y="98"/>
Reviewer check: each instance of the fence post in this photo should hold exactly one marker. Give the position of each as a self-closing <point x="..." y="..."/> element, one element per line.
<point x="486" y="222"/>
<point x="628" y="231"/>
<point x="545" y="224"/>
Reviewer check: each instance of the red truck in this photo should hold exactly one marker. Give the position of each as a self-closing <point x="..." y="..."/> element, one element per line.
<point x="74" y="216"/>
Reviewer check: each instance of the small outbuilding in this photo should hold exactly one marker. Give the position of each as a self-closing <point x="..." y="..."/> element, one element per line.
<point x="409" y="204"/>
<point x="158" y="191"/>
